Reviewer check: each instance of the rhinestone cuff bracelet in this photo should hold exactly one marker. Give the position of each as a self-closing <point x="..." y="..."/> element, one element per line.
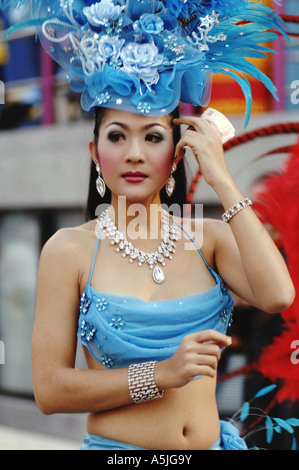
<point x="236" y="208"/>
<point x="142" y="385"/>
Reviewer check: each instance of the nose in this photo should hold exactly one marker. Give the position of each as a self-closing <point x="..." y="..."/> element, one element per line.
<point x="135" y="153"/>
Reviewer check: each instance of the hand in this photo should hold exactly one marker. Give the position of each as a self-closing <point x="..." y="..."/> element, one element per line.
<point x="198" y="354"/>
<point x="206" y="145"/>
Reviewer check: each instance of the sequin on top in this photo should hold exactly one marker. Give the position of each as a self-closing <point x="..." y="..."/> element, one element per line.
<point x="119" y="330"/>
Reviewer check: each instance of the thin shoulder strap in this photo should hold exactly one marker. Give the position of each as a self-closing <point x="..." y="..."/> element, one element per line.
<point x="94" y="256"/>
<point x="198" y="249"/>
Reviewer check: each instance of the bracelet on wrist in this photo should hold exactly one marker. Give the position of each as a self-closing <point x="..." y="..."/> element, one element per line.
<point x="142" y="385"/>
<point x="236" y="208"/>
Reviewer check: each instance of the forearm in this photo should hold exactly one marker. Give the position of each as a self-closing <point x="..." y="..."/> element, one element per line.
<point x="263" y="264"/>
<point x="69" y="390"/>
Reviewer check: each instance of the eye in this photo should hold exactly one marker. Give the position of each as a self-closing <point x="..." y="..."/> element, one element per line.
<point x="154" y="138"/>
<point x="116" y="136"/>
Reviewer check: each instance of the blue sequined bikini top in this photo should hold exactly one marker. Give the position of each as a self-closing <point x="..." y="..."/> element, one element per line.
<point x="119" y="330"/>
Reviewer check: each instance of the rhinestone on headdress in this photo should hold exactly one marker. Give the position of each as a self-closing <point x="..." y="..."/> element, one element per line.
<point x="152" y="55"/>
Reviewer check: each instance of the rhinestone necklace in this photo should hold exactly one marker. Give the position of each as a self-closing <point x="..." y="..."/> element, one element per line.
<point x="155" y="259"/>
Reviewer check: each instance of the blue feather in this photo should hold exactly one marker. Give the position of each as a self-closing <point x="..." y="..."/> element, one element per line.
<point x="245" y="411"/>
<point x="246" y="88"/>
<point x="269" y="429"/>
<point x="239" y="28"/>
<point x="265" y="391"/>
<point x="293" y="421"/>
<point x="23" y="25"/>
<point x="282" y="423"/>
<point x="294" y="444"/>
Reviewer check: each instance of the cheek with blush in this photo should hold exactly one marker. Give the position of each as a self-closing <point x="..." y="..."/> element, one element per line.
<point x="108" y="162"/>
<point x="163" y="164"/>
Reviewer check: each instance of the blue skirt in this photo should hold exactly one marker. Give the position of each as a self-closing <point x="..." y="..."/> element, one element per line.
<point x="229" y="440"/>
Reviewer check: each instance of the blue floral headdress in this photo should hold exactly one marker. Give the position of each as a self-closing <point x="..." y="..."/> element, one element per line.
<point x="147" y="55"/>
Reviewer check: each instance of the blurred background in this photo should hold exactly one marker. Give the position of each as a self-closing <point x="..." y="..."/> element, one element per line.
<point x="44" y="172"/>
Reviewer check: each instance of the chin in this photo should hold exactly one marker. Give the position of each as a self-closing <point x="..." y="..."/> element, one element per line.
<point x="139" y="196"/>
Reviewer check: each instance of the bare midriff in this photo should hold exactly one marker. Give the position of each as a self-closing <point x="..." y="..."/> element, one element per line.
<point x="185" y="418"/>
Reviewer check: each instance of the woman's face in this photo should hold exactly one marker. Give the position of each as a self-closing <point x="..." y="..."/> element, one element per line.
<point x="135" y="153"/>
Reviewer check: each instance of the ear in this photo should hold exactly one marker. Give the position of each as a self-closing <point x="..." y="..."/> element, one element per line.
<point x="93" y="152"/>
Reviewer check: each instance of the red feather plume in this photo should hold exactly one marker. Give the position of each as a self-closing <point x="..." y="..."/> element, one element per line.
<point x="278" y="205"/>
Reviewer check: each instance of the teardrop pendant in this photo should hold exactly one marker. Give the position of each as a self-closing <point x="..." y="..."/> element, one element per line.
<point x="101" y="186"/>
<point x="158" y="275"/>
<point x="170" y="185"/>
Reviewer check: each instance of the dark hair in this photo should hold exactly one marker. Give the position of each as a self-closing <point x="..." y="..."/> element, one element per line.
<point x="94" y="199"/>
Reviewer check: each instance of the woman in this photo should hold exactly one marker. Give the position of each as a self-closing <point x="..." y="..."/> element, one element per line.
<point x="181" y="413"/>
<point x="139" y="59"/>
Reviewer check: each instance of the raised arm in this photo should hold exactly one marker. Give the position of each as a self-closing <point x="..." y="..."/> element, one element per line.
<point x="245" y="255"/>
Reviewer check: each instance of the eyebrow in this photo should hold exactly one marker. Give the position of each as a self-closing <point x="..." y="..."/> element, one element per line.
<point x="148" y="126"/>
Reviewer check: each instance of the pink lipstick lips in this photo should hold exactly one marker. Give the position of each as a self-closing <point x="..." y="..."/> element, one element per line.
<point x="134" y="177"/>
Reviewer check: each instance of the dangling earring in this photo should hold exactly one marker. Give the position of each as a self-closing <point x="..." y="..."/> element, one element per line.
<point x="100" y="183"/>
<point x="170" y="185"/>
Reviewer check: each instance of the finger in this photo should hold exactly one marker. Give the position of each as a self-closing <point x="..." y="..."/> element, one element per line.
<point x="205" y="370"/>
<point x="179" y="154"/>
<point x="207" y="360"/>
<point x="211" y="350"/>
<point x="212" y="335"/>
<point x="195" y="123"/>
<point x="190" y="139"/>
<point x="197" y="369"/>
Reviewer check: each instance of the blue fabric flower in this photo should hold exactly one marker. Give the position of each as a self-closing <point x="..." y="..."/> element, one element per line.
<point x="142" y="61"/>
<point x="99" y="12"/>
<point x="149" y="24"/>
<point x="107" y="361"/>
<point x="144" y="108"/>
<point x="87" y="331"/>
<point x="230" y="437"/>
<point x="109" y="47"/>
<point x="117" y="323"/>
<point x="149" y="52"/>
<point x="84" y="303"/>
<point x="101" y="304"/>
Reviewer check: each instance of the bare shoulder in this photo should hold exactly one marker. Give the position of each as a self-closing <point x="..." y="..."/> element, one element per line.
<point x="67" y="250"/>
<point x="208" y="233"/>
<point x="67" y="240"/>
<point x="217" y="233"/>
<point x="215" y="228"/>
<point x="208" y="228"/>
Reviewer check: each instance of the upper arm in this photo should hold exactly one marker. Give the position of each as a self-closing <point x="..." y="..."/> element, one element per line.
<point x="228" y="262"/>
<point x="256" y="272"/>
<point x="57" y="303"/>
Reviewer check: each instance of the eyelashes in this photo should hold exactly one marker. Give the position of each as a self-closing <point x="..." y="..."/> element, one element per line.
<point x="115" y="136"/>
<point x="153" y="137"/>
